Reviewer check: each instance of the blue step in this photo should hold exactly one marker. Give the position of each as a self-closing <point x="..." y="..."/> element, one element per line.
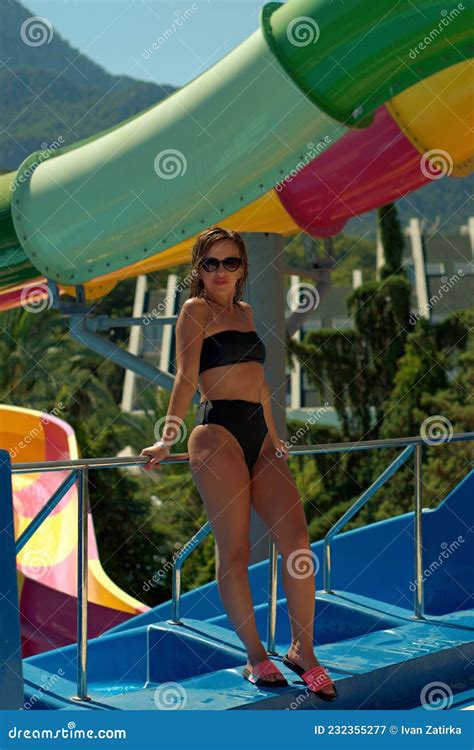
<point x="198" y="665"/>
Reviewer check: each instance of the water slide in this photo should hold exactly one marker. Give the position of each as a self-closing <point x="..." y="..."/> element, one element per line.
<point x="46" y="566"/>
<point x="326" y="111"/>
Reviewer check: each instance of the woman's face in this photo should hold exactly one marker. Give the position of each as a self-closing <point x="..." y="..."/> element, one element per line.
<point x="224" y="280"/>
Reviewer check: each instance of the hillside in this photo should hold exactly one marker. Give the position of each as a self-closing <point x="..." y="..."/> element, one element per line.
<point x="52" y="90"/>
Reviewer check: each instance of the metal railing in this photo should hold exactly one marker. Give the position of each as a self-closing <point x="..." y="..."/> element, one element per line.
<point x="79" y="473"/>
<point x="412" y="446"/>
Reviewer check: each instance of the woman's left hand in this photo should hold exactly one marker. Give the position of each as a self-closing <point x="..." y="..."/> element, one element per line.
<point x="281" y="448"/>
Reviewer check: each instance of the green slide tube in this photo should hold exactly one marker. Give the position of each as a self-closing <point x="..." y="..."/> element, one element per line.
<point x="210" y="148"/>
<point x="349" y="58"/>
<point x="15" y="265"/>
<point x="227" y="137"/>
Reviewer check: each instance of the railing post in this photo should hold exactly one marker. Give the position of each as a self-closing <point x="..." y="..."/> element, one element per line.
<point x="272" y="596"/>
<point x="374" y="487"/>
<point x="327" y="569"/>
<point x="82" y="585"/>
<point x="194" y="542"/>
<point x="418" y="603"/>
<point x="176" y="590"/>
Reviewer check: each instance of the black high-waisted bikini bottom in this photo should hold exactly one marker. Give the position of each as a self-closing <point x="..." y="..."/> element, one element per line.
<point x="244" y="419"/>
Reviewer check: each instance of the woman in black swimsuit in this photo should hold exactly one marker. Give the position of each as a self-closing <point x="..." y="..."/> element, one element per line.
<point x="235" y="456"/>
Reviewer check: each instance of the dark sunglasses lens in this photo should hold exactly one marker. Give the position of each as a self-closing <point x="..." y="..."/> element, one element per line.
<point x="210" y="264"/>
<point x="231" y="264"/>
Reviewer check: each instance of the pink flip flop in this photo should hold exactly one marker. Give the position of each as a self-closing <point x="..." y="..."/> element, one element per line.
<point x="262" y="669"/>
<point x="316" y="678"/>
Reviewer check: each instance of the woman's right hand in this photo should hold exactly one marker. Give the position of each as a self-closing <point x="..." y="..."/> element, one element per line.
<point x="157" y="453"/>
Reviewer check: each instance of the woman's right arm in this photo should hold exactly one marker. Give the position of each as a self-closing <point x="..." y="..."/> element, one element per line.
<point x="189" y="335"/>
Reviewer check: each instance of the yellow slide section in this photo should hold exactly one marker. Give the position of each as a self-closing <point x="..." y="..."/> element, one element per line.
<point x="50" y="556"/>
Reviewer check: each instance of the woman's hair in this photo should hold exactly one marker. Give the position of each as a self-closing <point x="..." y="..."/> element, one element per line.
<point x="204" y="242"/>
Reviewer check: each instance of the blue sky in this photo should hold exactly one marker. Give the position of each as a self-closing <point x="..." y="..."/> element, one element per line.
<point x="116" y="34"/>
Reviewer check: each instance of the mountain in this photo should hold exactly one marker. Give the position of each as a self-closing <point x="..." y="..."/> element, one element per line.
<point x="51" y="89"/>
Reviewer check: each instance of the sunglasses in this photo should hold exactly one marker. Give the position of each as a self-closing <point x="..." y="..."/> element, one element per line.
<point x="212" y="264"/>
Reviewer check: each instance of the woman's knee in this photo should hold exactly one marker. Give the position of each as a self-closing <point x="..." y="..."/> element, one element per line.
<point x="234" y="558"/>
<point x="294" y="541"/>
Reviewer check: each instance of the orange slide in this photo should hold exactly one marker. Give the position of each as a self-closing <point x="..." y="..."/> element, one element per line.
<point x="47" y="564"/>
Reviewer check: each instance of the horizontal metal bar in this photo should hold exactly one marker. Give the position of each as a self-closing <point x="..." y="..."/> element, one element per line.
<point x="95" y="463"/>
<point x="55" y="498"/>
<point x="105" y="323"/>
<point x="115" y="462"/>
<point x="363" y="445"/>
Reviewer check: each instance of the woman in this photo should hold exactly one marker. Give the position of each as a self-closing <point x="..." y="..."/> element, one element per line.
<point x="235" y="456"/>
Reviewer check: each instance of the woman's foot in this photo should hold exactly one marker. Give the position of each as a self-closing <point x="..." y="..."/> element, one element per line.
<point x="307" y="660"/>
<point x="253" y="659"/>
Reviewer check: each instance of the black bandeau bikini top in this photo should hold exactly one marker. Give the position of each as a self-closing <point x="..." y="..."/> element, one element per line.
<point x="231" y="347"/>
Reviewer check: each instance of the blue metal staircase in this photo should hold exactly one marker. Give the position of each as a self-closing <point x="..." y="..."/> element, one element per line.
<point x="384" y="645"/>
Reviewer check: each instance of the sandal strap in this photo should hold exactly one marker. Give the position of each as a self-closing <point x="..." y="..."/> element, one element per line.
<point x="317" y="677"/>
<point x="265" y="667"/>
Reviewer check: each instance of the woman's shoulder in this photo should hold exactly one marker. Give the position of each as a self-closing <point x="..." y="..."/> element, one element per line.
<point x="247" y="309"/>
<point x="196" y="309"/>
<point x="194" y="303"/>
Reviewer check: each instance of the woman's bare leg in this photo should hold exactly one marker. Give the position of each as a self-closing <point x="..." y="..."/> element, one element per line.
<point x="276" y="499"/>
<point x="221" y="475"/>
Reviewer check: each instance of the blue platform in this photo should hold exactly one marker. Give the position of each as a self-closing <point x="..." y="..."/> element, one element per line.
<point x="376" y="652"/>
